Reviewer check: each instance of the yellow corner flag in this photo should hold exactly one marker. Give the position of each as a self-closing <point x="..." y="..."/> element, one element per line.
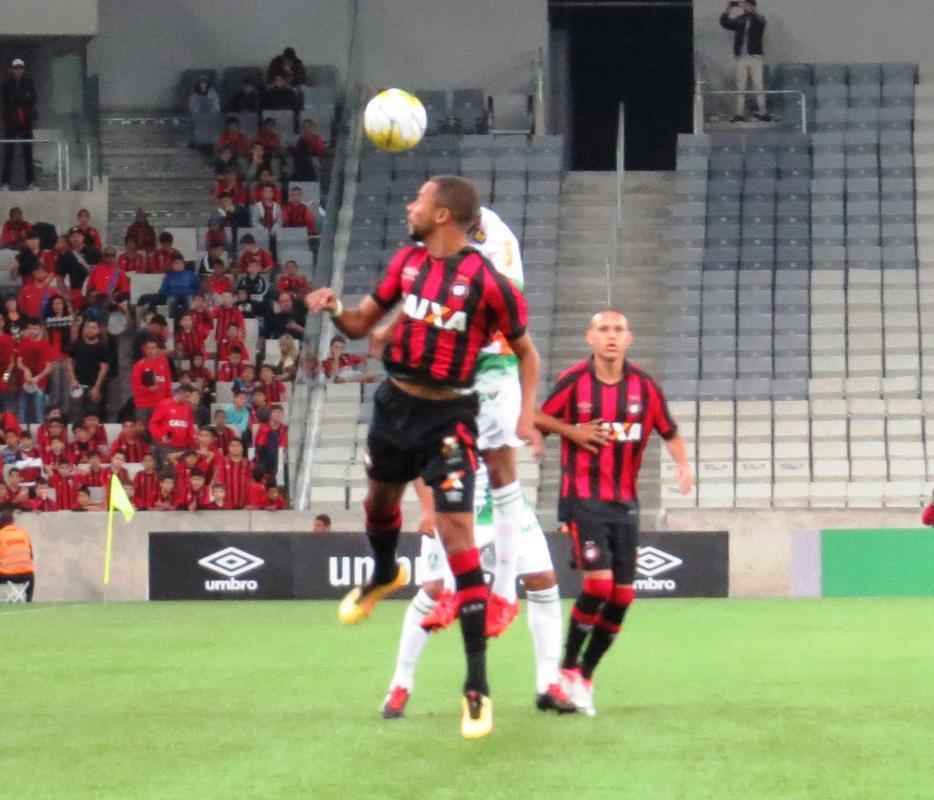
<point x="120" y="502"/>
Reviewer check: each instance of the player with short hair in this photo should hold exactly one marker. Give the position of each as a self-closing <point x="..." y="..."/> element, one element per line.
<point x="453" y="300"/>
<point x="604" y="408"/>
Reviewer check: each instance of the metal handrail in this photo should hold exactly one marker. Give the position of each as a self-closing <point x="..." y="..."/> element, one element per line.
<point x="700" y="94"/>
<point x="540" y="118"/>
<point x="43" y="140"/>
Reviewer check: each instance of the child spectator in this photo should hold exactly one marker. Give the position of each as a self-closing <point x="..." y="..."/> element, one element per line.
<point x="267" y="180"/>
<point x="271" y="436"/>
<point x="232" y="340"/>
<point x="83" y="501"/>
<point x="343" y="367"/>
<point x="197" y="495"/>
<point x="15" y="230"/>
<point x="309" y="147"/>
<point x="232" y="369"/>
<point x="178" y="287"/>
<point x="298" y="214"/>
<point x="34" y="297"/>
<point x="218" y="498"/>
<point x="63" y="481"/>
<point x="133" y="259"/>
<point x="255" y="283"/>
<point x="93" y="473"/>
<point x="29" y="461"/>
<point x="229" y="186"/>
<point x="218" y="280"/>
<point x="256" y="491"/>
<point x="91" y="235"/>
<point x="251" y="250"/>
<point x="116" y="467"/>
<point x="146" y="483"/>
<point x="130" y="444"/>
<point x="233" y="138"/>
<point x="80" y="447"/>
<point x="165" y="501"/>
<point x="96" y="432"/>
<point x="51" y="430"/>
<point x="108" y="279"/>
<point x="268" y="137"/>
<point x="260" y="166"/>
<point x="203" y="98"/>
<point x="141" y="233"/>
<point x="291" y="281"/>
<point x="275" y="500"/>
<point x="235" y="474"/>
<point x="200" y="373"/>
<point x="267" y="213"/>
<point x="222" y="431"/>
<point x="156" y="329"/>
<point x="275" y="389"/>
<point x="226" y="315"/>
<point x="246" y="381"/>
<point x="322" y="524"/>
<point x="226" y="159"/>
<point x="188" y="339"/>
<point x="43" y="500"/>
<point x="56" y="455"/>
<point x="237" y="413"/>
<point x="18" y="494"/>
<point x="36" y="360"/>
<point x="150" y="380"/>
<point x="164" y="255"/>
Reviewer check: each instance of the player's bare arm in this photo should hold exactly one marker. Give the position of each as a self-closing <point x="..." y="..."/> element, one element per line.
<point x="529" y="368"/>
<point x="589" y="435"/>
<point x="382" y="335"/>
<point x="678" y="453"/>
<point x="355" y="323"/>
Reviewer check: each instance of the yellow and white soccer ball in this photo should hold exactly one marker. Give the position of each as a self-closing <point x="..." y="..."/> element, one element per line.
<point x="395" y="120"/>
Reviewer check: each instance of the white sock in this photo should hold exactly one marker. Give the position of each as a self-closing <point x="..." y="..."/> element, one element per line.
<point x="544" y="613"/>
<point x="412" y="641"/>
<point x="508" y="510"/>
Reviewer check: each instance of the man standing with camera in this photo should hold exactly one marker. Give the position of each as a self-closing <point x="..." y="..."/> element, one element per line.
<point x="748" y="26"/>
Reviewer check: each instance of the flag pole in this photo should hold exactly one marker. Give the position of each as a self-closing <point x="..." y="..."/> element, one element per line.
<point x="109" y="548"/>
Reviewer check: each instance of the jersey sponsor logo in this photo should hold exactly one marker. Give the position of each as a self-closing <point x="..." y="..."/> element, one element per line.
<point x="584" y="407"/>
<point x="178" y="423"/>
<point x="409" y="273"/>
<point x="436" y="314"/>
<point x="623" y="431"/>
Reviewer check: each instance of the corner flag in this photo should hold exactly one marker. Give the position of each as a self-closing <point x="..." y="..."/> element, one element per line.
<point x="120" y="502"/>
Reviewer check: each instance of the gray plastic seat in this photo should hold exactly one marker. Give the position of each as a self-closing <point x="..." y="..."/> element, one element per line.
<point x="716" y="389"/>
<point x="435" y="102"/>
<point x="512" y="114"/>
<point x="469" y="107"/>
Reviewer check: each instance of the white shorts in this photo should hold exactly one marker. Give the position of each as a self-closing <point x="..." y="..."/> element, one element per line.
<point x="534" y="556"/>
<point x="500" y="406"/>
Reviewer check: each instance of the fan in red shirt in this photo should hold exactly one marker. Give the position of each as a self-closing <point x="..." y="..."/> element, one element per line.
<point x="199" y="372"/>
<point x="116" y="467"/>
<point x="232" y="340"/>
<point x="454" y="301"/>
<point x="64" y="483"/>
<point x="55" y="453"/>
<point x="229" y="184"/>
<point x="604" y="409"/>
<point x="230" y="370"/>
<point x="188" y="339"/>
<point x="36" y="296"/>
<point x="225" y="315"/>
<point x="146" y="484"/>
<point x="233" y="138"/>
<point x="141" y="233"/>
<point x="43" y="501"/>
<point x="219" y="281"/>
<point x="250" y="250"/>
<point x="18" y="494"/>
<point x="91" y="234"/>
<point x="275" y="500"/>
<point x="129" y="444"/>
<point x="291" y="281"/>
<point x="165" y="500"/>
<point x="297" y="214"/>
<point x="268" y="137"/>
<point x="256" y="491"/>
<point x="235" y="473"/>
<point x="29" y="459"/>
<point x="108" y="279"/>
<point x="81" y="446"/>
<point x="134" y="259"/>
<point x="210" y="457"/>
<point x="151" y="380"/>
<point x="274" y="389"/>
<point x="197" y="494"/>
<point x="15" y="230"/>
<point x="204" y="319"/>
<point x="338" y="361"/>
<point x="36" y="360"/>
<point x="222" y="431"/>
<point x="172" y="425"/>
<point x="96" y="432"/>
<point x="95" y="475"/>
<point x="160" y="260"/>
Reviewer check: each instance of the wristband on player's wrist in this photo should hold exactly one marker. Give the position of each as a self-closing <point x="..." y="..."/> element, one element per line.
<point x="337" y="310"/>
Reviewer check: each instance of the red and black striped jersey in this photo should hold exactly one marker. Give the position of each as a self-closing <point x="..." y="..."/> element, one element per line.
<point x="133" y="450"/>
<point x="145" y="489"/>
<point x="236" y="477"/>
<point x="630" y="411"/>
<point x="451" y="309"/>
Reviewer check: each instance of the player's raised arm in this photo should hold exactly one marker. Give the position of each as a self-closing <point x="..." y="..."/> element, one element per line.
<point x="355" y="323"/>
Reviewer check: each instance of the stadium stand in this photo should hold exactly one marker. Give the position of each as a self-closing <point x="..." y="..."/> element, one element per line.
<point x="795" y="292"/>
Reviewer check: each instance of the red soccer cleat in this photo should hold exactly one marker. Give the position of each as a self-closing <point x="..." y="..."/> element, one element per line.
<point x="443" y="614"/>
<point x="554" y="698"/>
<point x="394" y="704"/>
<point x="499" y="614"/>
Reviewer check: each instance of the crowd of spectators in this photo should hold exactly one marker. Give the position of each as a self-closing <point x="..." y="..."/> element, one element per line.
<point x="178" y="447"/>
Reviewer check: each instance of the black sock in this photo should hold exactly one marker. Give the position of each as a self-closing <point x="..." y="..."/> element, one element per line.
<point x="583" y="617"/>
<point x="604" y="633"/>
<point x="471" y="597"/>
<point x="384" y="555"/>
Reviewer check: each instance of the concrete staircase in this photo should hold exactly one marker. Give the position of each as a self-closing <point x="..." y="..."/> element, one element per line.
<point x="150" y="165"/>
<point x="588" y="214"/>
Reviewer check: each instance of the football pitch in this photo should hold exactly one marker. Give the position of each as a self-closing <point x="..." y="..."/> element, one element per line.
<point x="722" y="699"/>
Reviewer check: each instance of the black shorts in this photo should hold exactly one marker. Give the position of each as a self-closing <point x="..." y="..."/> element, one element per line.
<point x="435" y="440"/>
<point x="605" y="536"/>
<point x="18" y="595"/>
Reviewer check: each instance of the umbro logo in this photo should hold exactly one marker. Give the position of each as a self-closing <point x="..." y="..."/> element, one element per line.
<point x="651" y="561"/>
<point x="231" y="562"/>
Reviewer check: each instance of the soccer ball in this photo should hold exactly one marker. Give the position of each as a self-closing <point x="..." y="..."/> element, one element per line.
<point x="395" y="120"/>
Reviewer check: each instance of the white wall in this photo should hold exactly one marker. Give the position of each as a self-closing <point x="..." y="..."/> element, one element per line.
<point x="49" y="17"/>
<point x="451" y="43"/>
<point x="143" y="46"/>
<point x="825" y="31"/>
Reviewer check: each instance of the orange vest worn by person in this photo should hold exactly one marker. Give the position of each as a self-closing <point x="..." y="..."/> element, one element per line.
<point x="15" y="552"/>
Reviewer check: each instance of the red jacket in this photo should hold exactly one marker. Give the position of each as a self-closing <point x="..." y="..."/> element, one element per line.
<point x="173" y="423"/>
<point x="107" y="279"/>
<point x="33" y="299"/>
<point x="145" y="489"/>
<point x="298" y="215"/>
<point x="151" y="396"/>
<point x="927" y="517"/>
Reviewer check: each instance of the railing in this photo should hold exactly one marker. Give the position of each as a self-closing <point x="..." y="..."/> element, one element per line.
<point x="63" y="150"/>
<point x="700" y="93"/>
<point x="617" y="232"/>
<point x="60" y="148"/>
<point x="541" y="124"/>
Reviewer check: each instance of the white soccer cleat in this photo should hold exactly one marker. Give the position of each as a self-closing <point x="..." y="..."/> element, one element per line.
<point x="580" y="690"/>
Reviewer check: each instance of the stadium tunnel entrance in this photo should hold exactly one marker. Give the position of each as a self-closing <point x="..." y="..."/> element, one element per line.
<point x="637" y="51"/>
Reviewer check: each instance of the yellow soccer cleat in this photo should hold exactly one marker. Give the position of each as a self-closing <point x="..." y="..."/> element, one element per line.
<point x="356" y="607"/>
<point x="477" y="715"/>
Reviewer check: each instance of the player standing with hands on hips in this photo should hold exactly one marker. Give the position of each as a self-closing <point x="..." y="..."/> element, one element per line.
<point x="604" y="408"/>
<point x="424" y="425"/>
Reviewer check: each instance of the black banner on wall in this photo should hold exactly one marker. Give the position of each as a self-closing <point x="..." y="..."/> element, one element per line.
<point x="276" y="566"/>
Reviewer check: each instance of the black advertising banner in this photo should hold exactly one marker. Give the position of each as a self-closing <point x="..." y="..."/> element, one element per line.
<point x="275" y="566"/>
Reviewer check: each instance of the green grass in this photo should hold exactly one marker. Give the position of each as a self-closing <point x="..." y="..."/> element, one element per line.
<point x="698" y="699"/>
